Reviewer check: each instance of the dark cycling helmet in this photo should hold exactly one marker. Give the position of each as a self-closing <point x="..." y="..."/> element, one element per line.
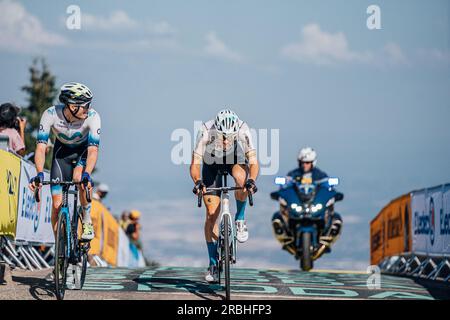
<point x="75" y="93"/>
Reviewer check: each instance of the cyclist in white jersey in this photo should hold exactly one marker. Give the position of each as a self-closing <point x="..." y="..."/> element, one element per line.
<point x="76" y="127"/>
<point x="223" y="143"/>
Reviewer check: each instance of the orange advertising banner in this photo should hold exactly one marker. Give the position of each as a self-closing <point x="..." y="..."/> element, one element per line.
<point x="110" y="238"/>
<point x="376" y="239"/>
<point x="397" y="226"/>
<point x="390" y="231"/>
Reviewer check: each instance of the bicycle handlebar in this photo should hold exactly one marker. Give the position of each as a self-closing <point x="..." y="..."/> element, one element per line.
<point x="222" y="189"/>
<point x="62" y="183"/>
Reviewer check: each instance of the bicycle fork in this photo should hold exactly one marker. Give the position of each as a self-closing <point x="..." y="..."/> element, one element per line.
<point x="227" y="215"/>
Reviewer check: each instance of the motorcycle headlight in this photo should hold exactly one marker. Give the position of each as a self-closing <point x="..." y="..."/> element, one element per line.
<point x="296" y="207"/>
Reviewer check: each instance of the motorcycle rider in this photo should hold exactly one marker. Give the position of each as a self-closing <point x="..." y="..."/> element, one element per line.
<point x="307" y="169"/>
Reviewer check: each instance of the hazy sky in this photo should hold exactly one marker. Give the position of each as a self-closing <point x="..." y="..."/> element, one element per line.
<point x="373" y="103"/>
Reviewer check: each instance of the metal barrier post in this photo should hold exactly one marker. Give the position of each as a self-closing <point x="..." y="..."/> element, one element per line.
<point x="24" y="257"/>
<point x="38" y="256"/>
<point x="23" y="249"/>
<point x="13" y="256"/>
<point x="6" y="259"/>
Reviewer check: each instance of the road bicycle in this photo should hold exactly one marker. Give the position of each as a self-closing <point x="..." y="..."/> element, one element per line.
<point x="227" y="242"/>
<point x="69" y="247"/>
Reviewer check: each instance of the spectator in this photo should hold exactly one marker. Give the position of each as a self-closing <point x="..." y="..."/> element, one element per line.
<point x="13" y="126"/>
<point x="101" y="192"/>
<point x="134" y="227"/>
<point x="123" y="222"/>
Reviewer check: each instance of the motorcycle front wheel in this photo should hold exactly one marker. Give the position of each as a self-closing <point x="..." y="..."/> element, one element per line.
<point x="306" y="261"/>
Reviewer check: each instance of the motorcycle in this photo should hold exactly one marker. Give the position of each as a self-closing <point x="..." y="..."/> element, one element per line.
<point x="307" y="208"/>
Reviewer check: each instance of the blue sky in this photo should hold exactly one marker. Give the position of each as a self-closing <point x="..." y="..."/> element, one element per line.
<point x="373" y="103"/>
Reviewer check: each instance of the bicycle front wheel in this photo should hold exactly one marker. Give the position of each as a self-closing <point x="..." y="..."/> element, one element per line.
<point x="61" y="258"/>
<point x="226" y="244"/>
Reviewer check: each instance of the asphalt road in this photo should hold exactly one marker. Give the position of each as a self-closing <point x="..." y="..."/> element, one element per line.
<point x="173" y="283"/>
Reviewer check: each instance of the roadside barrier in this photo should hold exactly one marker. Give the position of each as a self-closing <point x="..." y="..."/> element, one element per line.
<point x="26" y="236"/>
<point x="411" y="235"/>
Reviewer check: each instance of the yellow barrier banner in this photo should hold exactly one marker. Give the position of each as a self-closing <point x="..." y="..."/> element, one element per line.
<point x="110" y="238"/>
<point x="97" y="212"/>
<point x="9" y="192"/>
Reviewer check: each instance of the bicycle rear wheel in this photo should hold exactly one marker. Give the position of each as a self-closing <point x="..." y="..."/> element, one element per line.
<point x="226" y="244"/>
<point x="61" y="258"/>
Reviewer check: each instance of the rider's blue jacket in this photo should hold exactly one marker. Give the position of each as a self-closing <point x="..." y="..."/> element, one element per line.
<point x="317" y="174"/>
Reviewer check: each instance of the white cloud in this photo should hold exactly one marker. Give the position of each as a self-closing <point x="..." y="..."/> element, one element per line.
<point x="162" y="28"/>
<point x="434" y="55"/>
<point x="394" y="54"/>
<point x="215" y="47"/>
<point x="131" y="35"/>
<point x="320" y="47"/>
<point x="23" y="32"/>
<point x="117" y="20"/>
<point x="120" y="21"/>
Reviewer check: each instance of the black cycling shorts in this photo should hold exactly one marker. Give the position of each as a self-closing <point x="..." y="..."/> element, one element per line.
<point x="212" y="177"/>
<point x="64" y="160"/>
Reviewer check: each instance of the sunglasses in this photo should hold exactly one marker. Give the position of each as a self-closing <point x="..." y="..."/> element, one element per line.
<point x="85" y="105"/>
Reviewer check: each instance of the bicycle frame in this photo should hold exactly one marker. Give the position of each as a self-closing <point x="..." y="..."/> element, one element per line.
<point x="71" y="224"/>
<point x="224" y="259"/>
<point x="73" y="252"/>
<point x="225" y="214"/>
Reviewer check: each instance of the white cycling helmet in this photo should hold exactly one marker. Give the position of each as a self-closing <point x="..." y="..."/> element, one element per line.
<point x="227" y="123"/>
<point x="308" y="155"/>
<point x="75" y="93"/>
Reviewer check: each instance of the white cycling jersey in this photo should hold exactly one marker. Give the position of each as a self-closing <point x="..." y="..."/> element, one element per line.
<point x="209" y="142"/>
<point x="68" y="133"/>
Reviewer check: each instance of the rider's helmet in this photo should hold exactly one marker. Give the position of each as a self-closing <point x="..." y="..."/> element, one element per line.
<point x="75" y="93"/>
<point x="227" y="123"/>
<point x="307" y="155"/>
